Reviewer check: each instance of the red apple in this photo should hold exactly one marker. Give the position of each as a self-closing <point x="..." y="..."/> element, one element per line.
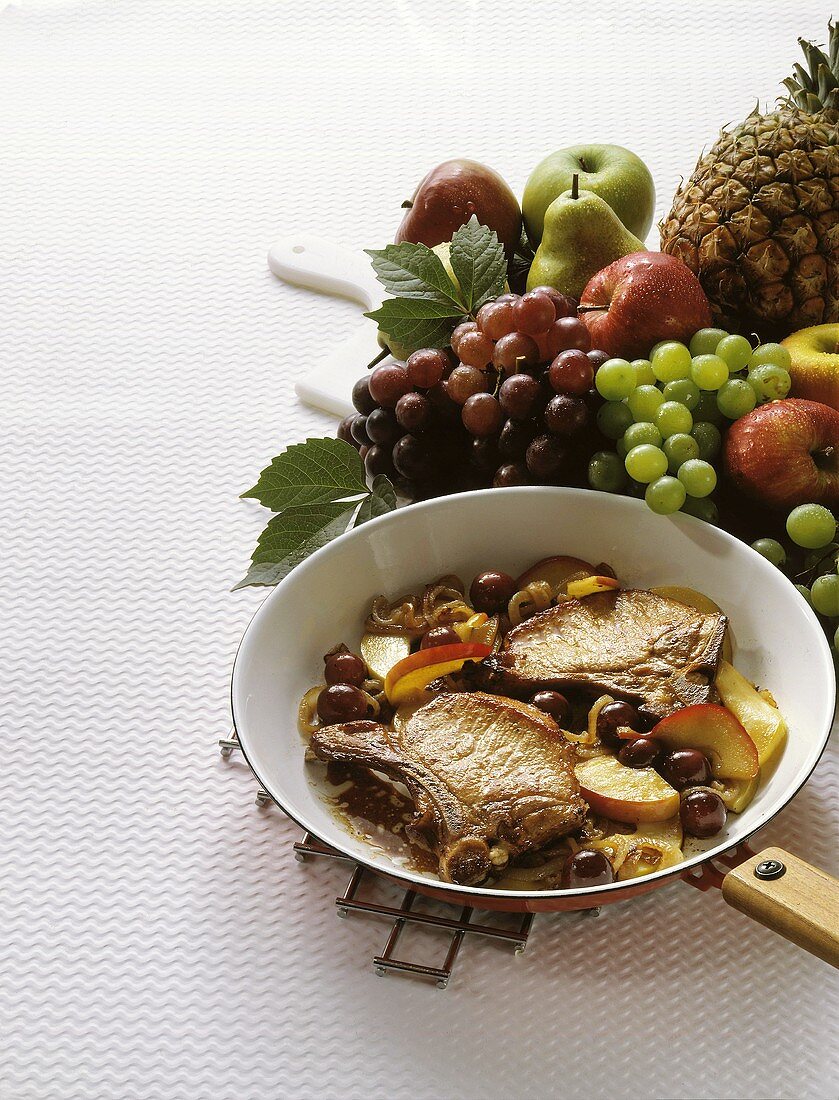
<point x="786" y="453"/>
<point x="640" y="299"/>
<point x="448" y="197"/>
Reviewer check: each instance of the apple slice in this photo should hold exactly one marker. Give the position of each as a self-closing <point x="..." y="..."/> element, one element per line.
<point x="554" y="571"/>
<point x="700" y="602"/>
<point x="625" y="794"/>
<point x="738" y="793"/>
<point x="410" y="676"/>
<point x="764" y="723"/>
<point x="587" y="586"/>
<point x="382" y="651"/>
<point x="714" y="731"/>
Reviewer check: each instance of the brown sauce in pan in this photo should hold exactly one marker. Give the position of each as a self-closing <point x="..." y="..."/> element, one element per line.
<point x="378" y="811"/>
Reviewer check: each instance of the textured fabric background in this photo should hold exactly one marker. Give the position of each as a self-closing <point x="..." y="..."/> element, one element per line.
<point x="156" y="937"/>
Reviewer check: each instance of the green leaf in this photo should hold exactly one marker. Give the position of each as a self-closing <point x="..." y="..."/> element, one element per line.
<point x="417" y="322"/>
<point x="382" y="499"/>
<point x="292" y="536"/>
<point x="479" y="263"/>
<point x="414" y="271"/>
<point x="313" y="472"/>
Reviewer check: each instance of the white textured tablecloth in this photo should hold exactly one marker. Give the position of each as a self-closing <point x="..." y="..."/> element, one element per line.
<point x="156" y="937"/>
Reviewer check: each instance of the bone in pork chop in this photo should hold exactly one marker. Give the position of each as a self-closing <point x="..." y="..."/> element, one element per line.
<point x="480" y="769"/>
<point x="632" y="644"/>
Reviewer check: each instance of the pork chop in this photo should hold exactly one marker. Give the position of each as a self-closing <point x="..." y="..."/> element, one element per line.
<point x="480" y="769"/>
<point x="633" y="644"/>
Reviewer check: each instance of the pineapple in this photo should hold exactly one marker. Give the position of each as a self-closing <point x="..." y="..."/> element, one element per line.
<point x="758" y="221"/>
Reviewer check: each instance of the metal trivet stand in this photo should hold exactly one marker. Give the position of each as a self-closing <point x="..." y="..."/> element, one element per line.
<point x="349" y="902"/>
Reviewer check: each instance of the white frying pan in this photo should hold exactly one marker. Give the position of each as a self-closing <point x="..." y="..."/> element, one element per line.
<point x="322" y="265"/>
<point x="780" y="644"/>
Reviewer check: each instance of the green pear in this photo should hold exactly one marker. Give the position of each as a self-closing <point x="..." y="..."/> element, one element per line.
<point x="582" y="235"/>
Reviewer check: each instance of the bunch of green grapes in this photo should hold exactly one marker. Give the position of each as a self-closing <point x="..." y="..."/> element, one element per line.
<point x="666" y="413"/>
<point x="813" y="528"/>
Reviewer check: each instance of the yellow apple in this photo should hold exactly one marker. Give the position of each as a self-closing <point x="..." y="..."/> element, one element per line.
<point x="815" y="363"/>
<point x="625" y="794"/>
<point x="716" y="732"/>
<point x="764" y="723"/>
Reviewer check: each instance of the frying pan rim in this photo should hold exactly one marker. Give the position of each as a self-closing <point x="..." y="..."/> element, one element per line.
<point x="412" y="880"/>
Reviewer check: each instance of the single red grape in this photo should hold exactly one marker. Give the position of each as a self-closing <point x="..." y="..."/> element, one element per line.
<point x="518" y="395"/>
<point x="511" y="473"/>
<point x="413" y="412"/>
<point x="515" y="437"/>
<point x="567" y="333"/>
<point x="475" y="349"/>
<point x="481" y="415"/>
<point x="513" y="347"/>
<point x="361" y="396"/>
<point x="495" y="319"/>
<point x="379" y="460"/>
<point x="571" y="372"/>
<point x="545" y="457"/>
<point x="491" y="591"/>
<point x="344" y="432"/>
<point x="387" y="384"/>
<point x="344" y="668"/>
<point x="426" y="367"/>
<point x="597" y="357"/>
<point x="439" y="635"/>
<point x="381" y="425"/>
<point x="463" y="382"/>
<point x="534" y="313"/>
<point x="566" y="415"/>
<point x="359" y="431"/>
<point x="461" y="331"/>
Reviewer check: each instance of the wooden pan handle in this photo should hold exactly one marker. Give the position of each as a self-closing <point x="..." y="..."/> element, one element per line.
<point x="791" y="897"/>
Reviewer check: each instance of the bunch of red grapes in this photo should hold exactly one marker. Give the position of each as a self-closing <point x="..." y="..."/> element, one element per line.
<point x="509" y="404"/>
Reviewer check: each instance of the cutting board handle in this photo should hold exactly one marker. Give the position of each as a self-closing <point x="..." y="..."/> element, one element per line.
<point x="791" y="897"/>
<point x="319" y="264"/>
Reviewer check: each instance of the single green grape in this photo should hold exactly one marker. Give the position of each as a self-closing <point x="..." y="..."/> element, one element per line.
<point x="736" y="351"/>
<point x="643" y="372"/>
<point x="735" y="398"/>
<point x="646" y="463"/>
<point x="707" y="409"/>
<point x="672" y="418"/>
<point x="825" y="595"/>
<point x="770" y="381"/>
<point x="684" y="391"/>
<point x="679" y="448"/>
<point x="644" y="402"/>
<point x="606" y="472"/>
<point x="665" y="495"/>
<point x="670" y="360"/>
<point x="708" y="371"/>
<point x="621" y="448"/>
<point x="615" y="379"/>
<point x="703" y="508"/>
<point x="613" y="419"/>
<point x="805" y="592"/>
<point x="698" y="477"/>
<point x="642" y="432"/>
<point x="704" y="342"/>
<point x="811" y="526"/>
<point x="770" y="549"/>
<point x="708" y="438"/>
<point x="776" y="354"/>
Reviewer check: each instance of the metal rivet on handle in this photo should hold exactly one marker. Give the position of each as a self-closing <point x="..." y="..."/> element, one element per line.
<point x="770" y="869"/>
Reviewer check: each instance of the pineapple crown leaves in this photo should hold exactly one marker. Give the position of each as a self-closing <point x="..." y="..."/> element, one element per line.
<point x="816" y="88"/>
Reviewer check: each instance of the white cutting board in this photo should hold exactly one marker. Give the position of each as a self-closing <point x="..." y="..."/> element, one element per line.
<point x="322" y="265"/>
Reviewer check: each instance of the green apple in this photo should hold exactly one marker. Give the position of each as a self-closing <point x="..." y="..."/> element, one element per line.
<point x="815" y="363"/>
<point x="615" y="174"/>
